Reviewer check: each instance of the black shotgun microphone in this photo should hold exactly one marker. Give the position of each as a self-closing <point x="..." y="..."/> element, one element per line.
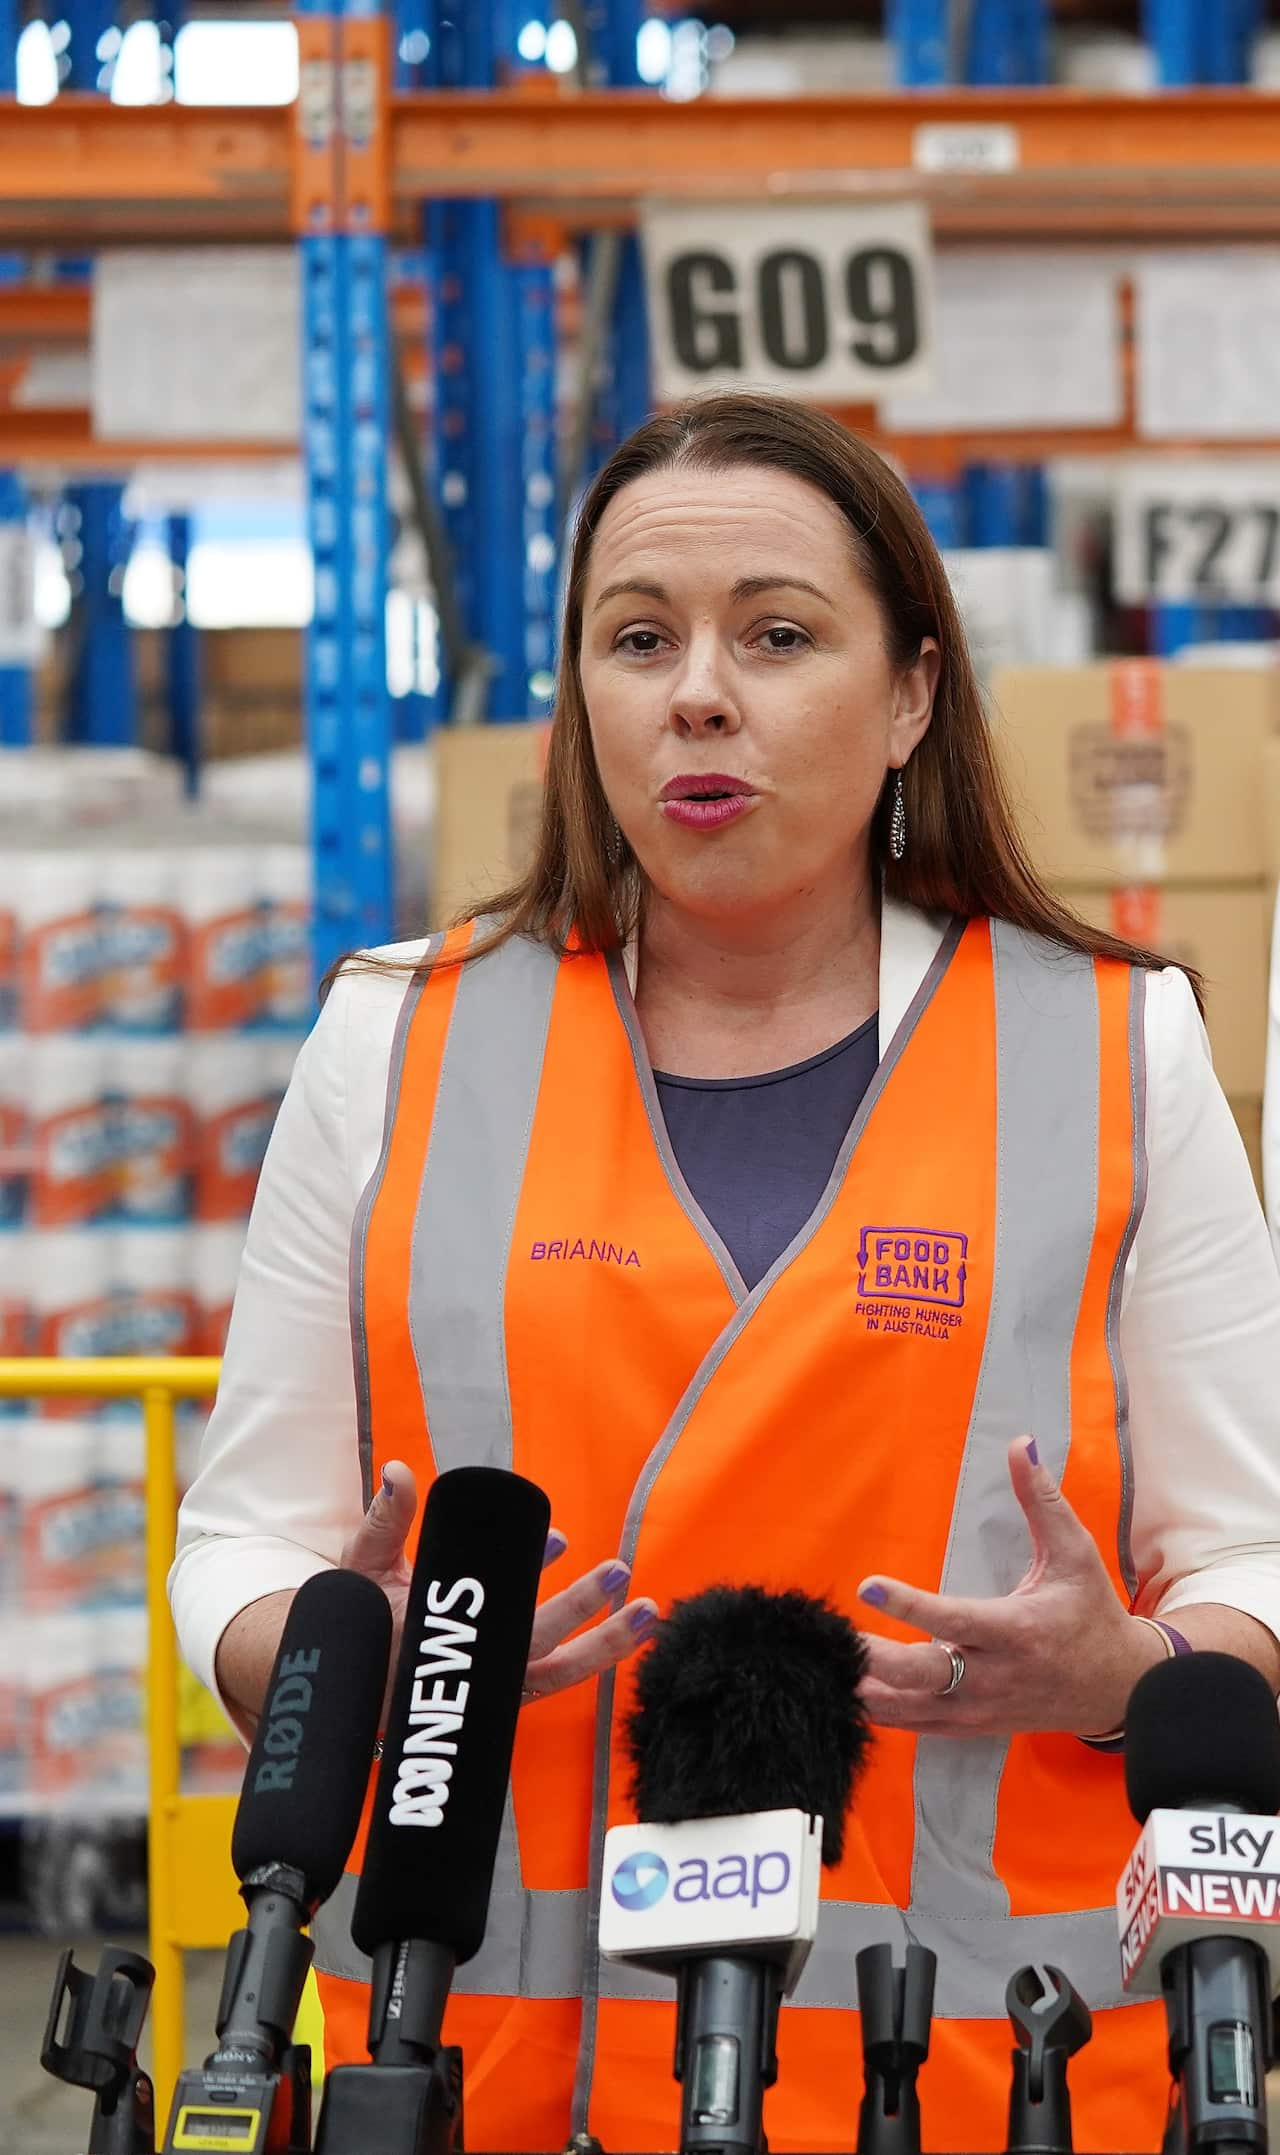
<point x="1198" y="1900"/>
<point x="297" y="1817"/>
<point x="746" y="1703"/>
<point x="423" y="1898"/>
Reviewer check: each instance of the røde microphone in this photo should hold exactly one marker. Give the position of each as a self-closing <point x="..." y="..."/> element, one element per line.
<point x="297" y="1817"/>
<point x="746" y="1737"/>
<point x="1199" y="1898"/>
<point x="437" y="1813"/>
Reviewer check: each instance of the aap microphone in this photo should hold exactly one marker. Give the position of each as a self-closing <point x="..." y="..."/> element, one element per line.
<point x="746" y="1738"/>
<point x="298" y="1813"/>
<point x="1199" y="1899"/>
<point x="423" y="1898"/>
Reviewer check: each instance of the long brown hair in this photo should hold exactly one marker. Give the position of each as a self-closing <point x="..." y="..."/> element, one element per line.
<point x="964" y="856"/>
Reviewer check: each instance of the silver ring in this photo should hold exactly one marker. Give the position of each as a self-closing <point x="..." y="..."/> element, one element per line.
<point x="956" y="1658"/>
<point x="526" y="1694"/>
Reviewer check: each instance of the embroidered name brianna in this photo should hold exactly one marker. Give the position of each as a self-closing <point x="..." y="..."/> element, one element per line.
<point x="593" y="1252"/>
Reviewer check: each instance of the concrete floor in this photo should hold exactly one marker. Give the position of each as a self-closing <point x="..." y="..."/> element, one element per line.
<point x="38" y="2115"/>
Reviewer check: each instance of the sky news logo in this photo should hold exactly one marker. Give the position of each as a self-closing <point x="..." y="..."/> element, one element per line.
<point x="643" y="1878"/>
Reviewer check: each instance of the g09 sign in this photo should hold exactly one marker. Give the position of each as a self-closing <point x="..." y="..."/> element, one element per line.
<point x="823" y="301"/>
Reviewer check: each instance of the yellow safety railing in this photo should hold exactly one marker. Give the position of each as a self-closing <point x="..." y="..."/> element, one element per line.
<point x="192" y="1888"/>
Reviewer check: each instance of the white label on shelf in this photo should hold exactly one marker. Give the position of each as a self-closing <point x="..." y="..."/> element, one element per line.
<point x="962" y="146"/>
<point x="197" y="344"/>
<point x="1023" y="339"/>
<point x="816" y="300"/>
<point x="1208" y="342"/>
<point x="1204" y="529"/>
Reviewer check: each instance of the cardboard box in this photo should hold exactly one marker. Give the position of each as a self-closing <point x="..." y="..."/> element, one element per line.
<point x="1248" y="1115"/>
<point x="1225" y="934"/>
<point x="1130" y="771"/>
<point x="489" y="802"/>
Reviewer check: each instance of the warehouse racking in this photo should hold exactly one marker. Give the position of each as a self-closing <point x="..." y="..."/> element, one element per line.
<point x="414" y="143"/>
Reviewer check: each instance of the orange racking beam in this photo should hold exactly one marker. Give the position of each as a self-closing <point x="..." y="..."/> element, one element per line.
<point x="83" y="168"/>
<point x="1087" y="164"/>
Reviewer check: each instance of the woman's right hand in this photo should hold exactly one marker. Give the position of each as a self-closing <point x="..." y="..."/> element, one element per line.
<point x="556" y="1660"/>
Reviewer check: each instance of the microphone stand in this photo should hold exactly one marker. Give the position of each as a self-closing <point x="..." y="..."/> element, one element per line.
<point x="1217" y="1996"/>
<point x="408" y="2101"/>
<point x="896" y="2008"/>
<point x="726" y="2050"/>
<point x="100" y="2047"/>
<point x="1051" y="2023"/>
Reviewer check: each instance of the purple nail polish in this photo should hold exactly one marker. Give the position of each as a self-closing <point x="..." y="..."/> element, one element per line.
<point x="643" y="1623"/>
<point x="1033" y="1451"/>
<point x="557" y="1542"/>
<point x="615" y="1578"/>
<point x="388" y="1486"/>
<point x="875" y="1594"/>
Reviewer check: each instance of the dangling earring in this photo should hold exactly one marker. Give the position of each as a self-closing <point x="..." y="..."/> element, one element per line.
<point x="898" y="822"/>
<point x="613" y="843"/>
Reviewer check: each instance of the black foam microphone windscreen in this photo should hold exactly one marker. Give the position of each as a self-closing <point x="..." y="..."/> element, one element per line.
<point x="309" y="1767"/>
<point x="748" y="1701"/>
<point x="1202" y="1730"/>
<point x="446" y="1761"/>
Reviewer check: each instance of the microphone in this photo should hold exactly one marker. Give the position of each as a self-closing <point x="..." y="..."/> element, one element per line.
<point x="1197" y="1901"/>
<point x="423" y="1897"/>
<point x="297" y="1817"/>
<point x="745" y="1739"/>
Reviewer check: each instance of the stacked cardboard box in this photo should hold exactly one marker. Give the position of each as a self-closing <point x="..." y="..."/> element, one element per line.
<point x="1143" y="794"/>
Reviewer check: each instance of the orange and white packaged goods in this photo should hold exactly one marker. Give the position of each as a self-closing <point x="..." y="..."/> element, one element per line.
<point x="15" y="1306"/>
<point x="154" y="1153"/>
<point x="101" y="1291"/>
<point x="60" y="940"/>
<point x="145" y="936"/>
<point x="215" y="1263"/>
<point x="226" y="983"/>
<point x="15" y="1133"/>
<point x="12" y="1706"/>
<point x="61" y="1708"/>
<point x="81" y="1513"/>
<point x="236" y="1088"/>
<point x="285" y="882"/>
<point x="72" y="1133"/>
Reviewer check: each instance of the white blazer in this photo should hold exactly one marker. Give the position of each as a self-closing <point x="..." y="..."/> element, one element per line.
<point x="278" y="1486"/>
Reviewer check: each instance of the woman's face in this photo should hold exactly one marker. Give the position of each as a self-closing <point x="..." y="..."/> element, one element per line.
<point x="742" y="704"/>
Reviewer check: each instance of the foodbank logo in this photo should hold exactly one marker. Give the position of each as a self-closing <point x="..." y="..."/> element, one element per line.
<point x="639" y="1881"/>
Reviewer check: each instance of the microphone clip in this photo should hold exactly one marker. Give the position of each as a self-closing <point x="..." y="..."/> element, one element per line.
<point x="1051" y="2022"/>
<point x="896" y="2008"/>
<point x="99" y="2048"/>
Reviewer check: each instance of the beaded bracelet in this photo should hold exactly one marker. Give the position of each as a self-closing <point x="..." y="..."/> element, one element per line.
<point x="1174" y="1644"/>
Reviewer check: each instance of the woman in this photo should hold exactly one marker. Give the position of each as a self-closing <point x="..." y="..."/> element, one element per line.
<point x="800" y="1194"/>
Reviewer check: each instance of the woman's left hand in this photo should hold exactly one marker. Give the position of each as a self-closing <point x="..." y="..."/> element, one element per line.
<point x="1060" y="1652"/>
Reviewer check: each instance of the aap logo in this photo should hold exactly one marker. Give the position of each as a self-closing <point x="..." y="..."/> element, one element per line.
<point x="640" y="1881"/>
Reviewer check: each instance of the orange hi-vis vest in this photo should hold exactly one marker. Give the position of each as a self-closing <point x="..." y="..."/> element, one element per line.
<point x="533" y="1286"/>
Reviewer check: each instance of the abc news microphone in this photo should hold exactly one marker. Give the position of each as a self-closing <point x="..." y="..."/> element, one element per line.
<point x="297" y="1817"/>
<point x="746" y="1737"/>
<point x="423" y="1898"/>
<point x="1199" y="1900"/>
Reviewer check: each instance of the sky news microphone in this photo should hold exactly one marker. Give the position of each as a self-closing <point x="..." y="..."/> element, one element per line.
<point x="1197" y="1902"/>
<point x="297" y="1817"/>
<point x="746" y="1737"/>
<point x="423" y="1898"/>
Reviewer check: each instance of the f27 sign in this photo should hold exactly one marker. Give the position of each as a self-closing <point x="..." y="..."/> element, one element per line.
<point x="823" y="301"/>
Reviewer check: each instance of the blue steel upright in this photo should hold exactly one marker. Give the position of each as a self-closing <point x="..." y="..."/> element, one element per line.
<point x="1008" y="43"/>
<point x="919" y="35"/>
<point x="345" y="452"/>
<point x="624" y="396"/>
<point x="17" y="701"/>
<point x="493" y="374"/>
<point x="102" y="696"/>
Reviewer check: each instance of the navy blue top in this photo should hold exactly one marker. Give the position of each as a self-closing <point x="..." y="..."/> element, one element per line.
<point x="757" y="1152"/>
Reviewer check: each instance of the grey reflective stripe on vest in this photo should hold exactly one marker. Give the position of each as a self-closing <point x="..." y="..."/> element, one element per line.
<point x="364" y="1210"/>
<point x="1046" y="1175"/>
<point x="479" y="1142"/>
